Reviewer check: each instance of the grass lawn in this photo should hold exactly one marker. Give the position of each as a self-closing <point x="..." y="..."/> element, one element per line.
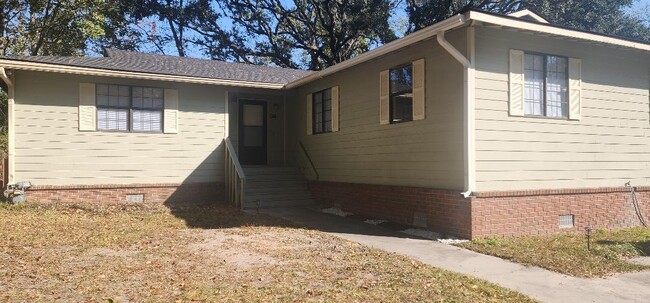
<point x="144" y="253"/>
<point x="568" y="254"/>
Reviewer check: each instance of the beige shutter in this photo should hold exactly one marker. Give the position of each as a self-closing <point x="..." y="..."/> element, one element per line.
<point x="418" y="89"/>
<point x="87" y="109"/>
<point x="516" y="103"/>
<point x="335" y="109"/>
<point x="308" y="114"/>
<point x="384" y="96"/>
<point x="575" y="88"/>
<point x="170" y="118"/>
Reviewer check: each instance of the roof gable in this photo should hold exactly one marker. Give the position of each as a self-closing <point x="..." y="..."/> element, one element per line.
<point x="529" y="15"/>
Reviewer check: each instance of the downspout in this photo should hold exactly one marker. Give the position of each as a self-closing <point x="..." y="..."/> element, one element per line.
<point x="468" y="105"/>
<point x="10" y="124"/>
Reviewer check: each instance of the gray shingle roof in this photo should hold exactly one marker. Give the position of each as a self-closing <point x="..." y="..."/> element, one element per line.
<point x="178" y="66"/>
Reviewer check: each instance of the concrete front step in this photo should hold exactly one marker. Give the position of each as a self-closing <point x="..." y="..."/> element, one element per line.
<point x="276" y="204"/>
<point x="278" y="197"/>
<point x="259" y="190"/>
<point x="268" y="187"/>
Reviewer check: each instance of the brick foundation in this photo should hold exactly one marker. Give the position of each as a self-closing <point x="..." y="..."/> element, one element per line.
<point x="153" y="193"/>
<point x="443" y="211"/>
<point x="522" y="213"/>
<point x="515" y="213"/>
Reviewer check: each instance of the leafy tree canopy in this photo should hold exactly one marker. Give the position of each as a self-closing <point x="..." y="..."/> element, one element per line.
<point x="604" y="16"/>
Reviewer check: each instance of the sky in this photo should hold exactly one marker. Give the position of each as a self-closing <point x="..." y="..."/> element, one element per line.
<point x="640" y="7"/>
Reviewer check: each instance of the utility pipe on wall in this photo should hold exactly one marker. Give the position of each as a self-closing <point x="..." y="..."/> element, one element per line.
<point x="468" y="104"/>
<point x="10" y="123"/>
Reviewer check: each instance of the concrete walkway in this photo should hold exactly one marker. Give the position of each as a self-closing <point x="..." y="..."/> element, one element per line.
<point x="540" y="284"/>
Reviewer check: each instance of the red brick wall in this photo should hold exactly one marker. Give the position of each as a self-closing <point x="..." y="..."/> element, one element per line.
<point x="489" y="213"/>
<point x="446" y="211"/>
<point x="153" y="193"/>
<point x="537" y="212"/>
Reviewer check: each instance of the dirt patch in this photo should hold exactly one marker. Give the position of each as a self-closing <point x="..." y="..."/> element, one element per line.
<point x="234" y="249"/>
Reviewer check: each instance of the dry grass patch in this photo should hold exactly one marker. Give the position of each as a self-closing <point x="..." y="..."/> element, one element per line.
<point x="568" y="254"/>
<point x="143" y="253"/>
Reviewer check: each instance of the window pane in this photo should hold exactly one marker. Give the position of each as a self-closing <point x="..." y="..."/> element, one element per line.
<point x="112" y="119"/>
<point x="102" y="89"/>
<point x="534" y="84"/>
<point x="112" y="95"/>
<point x="253" y="115"/>
<point x="556" y="87"/>
<point x="317" y="112"/>
<point x="102" y="100"/>
<point x="137" y="92"/>
<point x="147" y="120"/>
<point x="137" y="102"/>
<point x="401" y="94"/>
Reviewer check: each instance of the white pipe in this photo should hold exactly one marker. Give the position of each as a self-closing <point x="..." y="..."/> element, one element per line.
<point x="468" y="105"/>
<point x="10" y="124"/>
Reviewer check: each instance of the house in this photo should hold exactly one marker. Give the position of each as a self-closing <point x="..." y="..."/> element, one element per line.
<point x="479" y="125"/>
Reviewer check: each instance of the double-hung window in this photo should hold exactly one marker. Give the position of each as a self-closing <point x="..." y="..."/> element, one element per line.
<point x="322" y="111"/>
<point x="126" y="108"/>
<point x="546" y="86"/>
<point x="401" y="94"/>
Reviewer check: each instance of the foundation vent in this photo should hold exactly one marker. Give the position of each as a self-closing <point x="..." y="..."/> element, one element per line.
<point x="135" y="198"/>
<point x="566" y="221"/>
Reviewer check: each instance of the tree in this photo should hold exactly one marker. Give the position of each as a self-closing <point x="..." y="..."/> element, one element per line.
<point x="164" y="24"/>
<point x="312" y="34"/>
<point x="49" y="27"/>
<point x="604" y="16"/>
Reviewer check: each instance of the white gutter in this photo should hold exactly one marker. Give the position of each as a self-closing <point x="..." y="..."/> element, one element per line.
<point x="423" y="34"/>
<point x="47" y="67"/>
<point x="10" y="124"/>
<point x="468" y="104"/>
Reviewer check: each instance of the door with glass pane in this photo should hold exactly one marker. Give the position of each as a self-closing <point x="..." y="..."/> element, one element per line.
<point x="252" y="132"/>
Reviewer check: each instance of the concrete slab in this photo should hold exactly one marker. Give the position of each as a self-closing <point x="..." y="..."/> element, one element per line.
<point x="641" y="260"/>
<point x="538" y="283"/>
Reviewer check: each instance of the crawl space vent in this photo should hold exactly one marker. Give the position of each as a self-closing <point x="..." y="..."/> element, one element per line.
<point x="566" y="221"/>
<point x="135" y="198"/>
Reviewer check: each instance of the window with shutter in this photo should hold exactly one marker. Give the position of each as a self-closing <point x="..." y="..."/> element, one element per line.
<point x="322" y="111"/>
<point x="126" y="108"/>
<point x="540" y="85"/>
<point x="401" y="94"/>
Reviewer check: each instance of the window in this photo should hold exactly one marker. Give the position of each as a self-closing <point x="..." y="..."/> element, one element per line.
<point x="322" y="111"/>
<point x="401" y="94"/>
<point x="545" y="87"/>
<point x="125" y="108"/>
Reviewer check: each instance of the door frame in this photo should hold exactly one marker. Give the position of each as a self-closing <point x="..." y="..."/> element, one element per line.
<point x="240" y="123"/>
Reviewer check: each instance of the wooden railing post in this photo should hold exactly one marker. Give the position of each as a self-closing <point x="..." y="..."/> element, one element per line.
<point x="234" y="176"/>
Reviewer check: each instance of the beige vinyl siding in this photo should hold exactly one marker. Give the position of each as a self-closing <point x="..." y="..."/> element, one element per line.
<point x="424" y="153"/>
<point x="50" y="149"/>
<point x="607" y="147"/>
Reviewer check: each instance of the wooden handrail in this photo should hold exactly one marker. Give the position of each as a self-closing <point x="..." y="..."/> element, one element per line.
<point x="311" y="163"/>
<point x="235" y="159"/>
<point x="234" y="176"/>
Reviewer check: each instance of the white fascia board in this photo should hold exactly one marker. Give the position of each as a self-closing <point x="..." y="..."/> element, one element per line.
<point x="553" y="30"/>
<point x="56" y="68"/>
<point x="526" y="12"/>
<point x="423" y="34"/>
